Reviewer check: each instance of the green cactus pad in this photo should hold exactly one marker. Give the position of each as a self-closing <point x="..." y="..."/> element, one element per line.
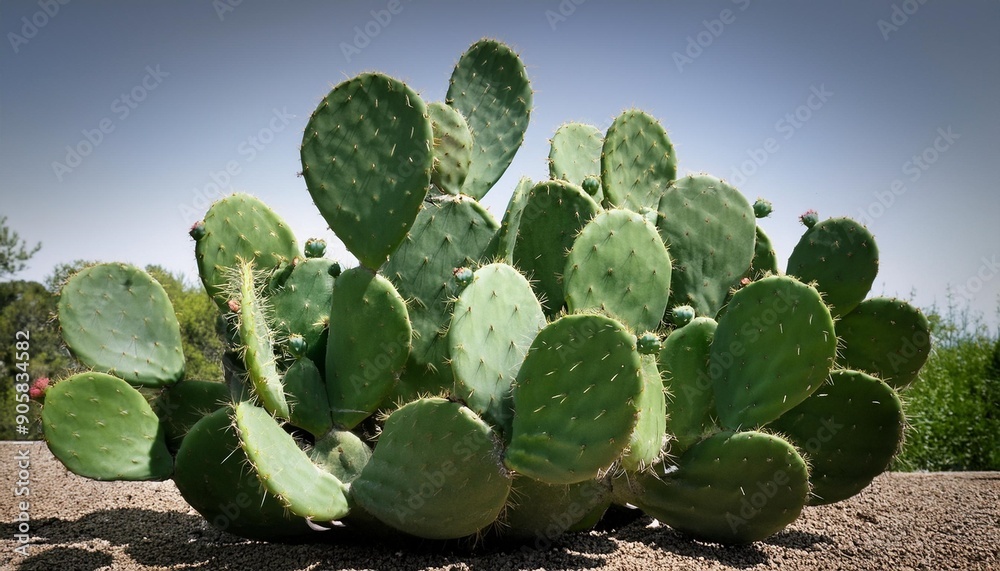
<point x="730" y="488"/>
<point x="300" y="299"/>
<point x="618" y="264"/>
<point x="285" y="470"/>
<point x="684" y="362"/>
<point x="849" y="430"/>
<point x="342" y="454"/>
<point x="367" y="158"/>
<point x="575" y="154"/>
<point x="308" y="406"/>
<point x="238" y="228"/>
<point x="773" y="347"/>
<point x="709" y="229"/>
<point x="490" y="88"/>
<point x="256" y="340"/>
<point x="554" y="213"/>
<point x="765" y="260"/>
<point x="117" y="319"/>
<point x="646" y="442"/>
<point x="368" y="344"/>
<point x="575" y="400"/>
<point x="493" y="323"/>
<point x="212" y="476"/>
<point x="450" y="232"/>
<point x="435" y="472"/>
<point x="512" y="220"/>
<point x="637" y="161"/>
<point x="886" y="337"/>
<point x="840" y="255"/>
<point x="101" y="428"/>
<point x="547" y="511"/>
<point x="181" y="405"/>
<point x="452" y="148"/>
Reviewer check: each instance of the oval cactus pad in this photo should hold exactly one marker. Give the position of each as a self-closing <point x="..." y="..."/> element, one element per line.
<point x="102" y="428"/>
<point x="117" y="319"/>
<point x="773" y="347"/>
<point x="367" y="156"/>
<point x="575" y="400"/>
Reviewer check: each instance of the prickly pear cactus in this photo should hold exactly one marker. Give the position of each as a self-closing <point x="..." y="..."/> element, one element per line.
<point x="622" y="336"/>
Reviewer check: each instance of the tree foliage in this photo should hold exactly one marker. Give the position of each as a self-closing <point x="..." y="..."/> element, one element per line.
<point x="14" y="252"/>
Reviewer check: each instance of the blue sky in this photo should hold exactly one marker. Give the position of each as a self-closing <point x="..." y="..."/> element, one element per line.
<point x="888" y="112"/>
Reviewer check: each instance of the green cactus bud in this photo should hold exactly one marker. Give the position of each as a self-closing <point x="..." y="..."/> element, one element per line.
<point x="648" y="343"/>
<point x="809" y="218"/>
<point x="463" y="276"/>
<point x="762" y="208"/>
<point x="682" y="315"/>
<point x="315" y="248"/>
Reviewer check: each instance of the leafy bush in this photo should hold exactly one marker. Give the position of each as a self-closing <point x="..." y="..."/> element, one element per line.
<point x="954" y="407"/>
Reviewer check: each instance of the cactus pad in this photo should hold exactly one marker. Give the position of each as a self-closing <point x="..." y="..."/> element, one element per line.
<point x="512" y="220"/>
<point x="435" y="472"/>
<point x="646" y="442"/>
<point x="849" y="430"/>
<point x="101" y="428"/>
<point x="575" y="154"/>
<point x="212" y="476"/>
<point x="709" y="229"/>
<point x="576" y="400"/>
<point x="637" y="161"/>
<point x="308" y="406"/>
<point x="256" y="340"/>
<point x="117" y="319"/>
<point x="773" y="347"/>
<point x="450" y="232"/>
<point x="684" y="362"/>
<point x="493" y="323"/>
<point x="368" y="344"/>
<point x="619" y="265"/>
<point x="238" y="228"/>
<point x="554" y="214"/>
<point x="452" y="148"/>
<point x="490" y="88"/>
<point x="731" y="488"/>
<point x="285" y="470"/>
<point x="354" y="177"/>
<point x="888" y="338"/>
<point x="300" y="299"/>
<point x="840" y="255"/>
<point x="181" y="405"/>
<point x="547" y="511"/>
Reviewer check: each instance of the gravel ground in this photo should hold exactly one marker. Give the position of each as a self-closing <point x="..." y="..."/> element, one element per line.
<point x="903" y="521"/>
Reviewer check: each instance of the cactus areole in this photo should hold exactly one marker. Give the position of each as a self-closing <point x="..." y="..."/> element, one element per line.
<point x="622" y="336"/>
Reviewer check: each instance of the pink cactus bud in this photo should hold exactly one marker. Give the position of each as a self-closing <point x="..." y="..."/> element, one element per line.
<point x="38" y="388"/>
<point x="234" y="305"/>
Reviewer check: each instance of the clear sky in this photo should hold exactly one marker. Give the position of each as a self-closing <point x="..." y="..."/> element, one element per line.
<point x="888" y="112"/>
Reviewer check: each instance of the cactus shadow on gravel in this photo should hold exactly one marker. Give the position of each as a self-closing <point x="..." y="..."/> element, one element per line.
<point x="172" y="539"/>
